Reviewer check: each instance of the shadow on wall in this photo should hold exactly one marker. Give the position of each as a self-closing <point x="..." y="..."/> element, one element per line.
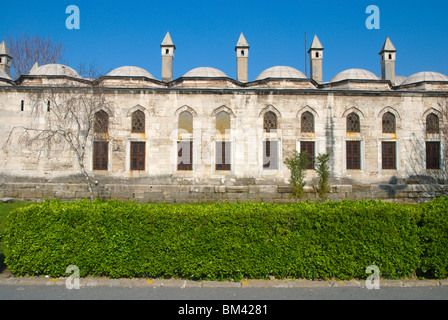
<point x="393" y="187"/>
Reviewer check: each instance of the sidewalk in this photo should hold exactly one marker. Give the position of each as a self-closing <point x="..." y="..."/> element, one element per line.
<point x="157" y="283"/>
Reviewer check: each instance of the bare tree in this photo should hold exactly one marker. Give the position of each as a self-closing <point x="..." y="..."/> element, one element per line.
<point x="65" y="115"/>
<point x="28" y="49"/>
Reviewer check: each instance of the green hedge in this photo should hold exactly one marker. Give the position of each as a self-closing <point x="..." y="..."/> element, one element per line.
<point x="228" y="241"/>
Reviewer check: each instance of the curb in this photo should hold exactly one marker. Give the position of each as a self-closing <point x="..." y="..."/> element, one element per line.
<point x="162" y="283"/>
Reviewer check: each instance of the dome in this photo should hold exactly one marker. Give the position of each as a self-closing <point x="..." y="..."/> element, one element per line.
<point x="55" y="70"/>
<point x="399" y="80"/>
<point x="129" y="71"/>
<point x="205" y="72"/>
<point x="425" y="76"/>
<point x="4" y="75"/>
<point x="281" y="72"/>
<point x="354" y="74"/>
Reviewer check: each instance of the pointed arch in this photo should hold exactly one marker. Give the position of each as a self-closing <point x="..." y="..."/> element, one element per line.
<point x="140" y="108"/>
<point x="223" y="108"/>
<point x="353" y="110"/>
<point x="270" y="108"/>
<point x="305" y="109"/>
<point x="185" y="108"/>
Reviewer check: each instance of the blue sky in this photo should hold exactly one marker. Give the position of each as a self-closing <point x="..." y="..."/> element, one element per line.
<point x="117" y="33"/>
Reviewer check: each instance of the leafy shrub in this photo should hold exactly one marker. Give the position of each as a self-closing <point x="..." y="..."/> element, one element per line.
<point x="222" y="241"/>
<point x="434" y="238"/>
<point x="297" y="165"/>
<point x="323" y="171"/>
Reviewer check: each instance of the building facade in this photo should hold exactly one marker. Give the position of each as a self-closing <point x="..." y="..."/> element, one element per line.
<point x="208" y="137"/>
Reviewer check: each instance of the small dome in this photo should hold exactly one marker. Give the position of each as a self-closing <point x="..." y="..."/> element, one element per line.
<point x="4" y="75"/>
<point x="399" y="80"/>
<point x="425" y="76"/>
<point x="205" y="72"/>
<point x="354" y="74"/>
<point x="129" y="71"/>
<point x="55" y="70"/>
<point x="281" y="72"/>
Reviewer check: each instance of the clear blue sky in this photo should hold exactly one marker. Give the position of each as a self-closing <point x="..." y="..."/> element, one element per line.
<point x="117" y="33"/>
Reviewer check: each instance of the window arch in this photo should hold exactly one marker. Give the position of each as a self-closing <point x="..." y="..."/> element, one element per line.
<point x="223" y="122"/>
<point x="432" y="124"/>
<point x="270" y="121"/>
<point x="101" y="122"/>
<point x="138" y="122"/>
<point x="307" y="122"/>
<point x="353" y="123"/>
<point x="389" y="123"/>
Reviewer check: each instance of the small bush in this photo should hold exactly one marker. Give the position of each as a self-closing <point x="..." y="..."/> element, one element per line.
<point x="297" y="165"/>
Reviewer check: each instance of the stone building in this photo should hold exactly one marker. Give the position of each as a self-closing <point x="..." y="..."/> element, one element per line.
<point x="208" y="137"/>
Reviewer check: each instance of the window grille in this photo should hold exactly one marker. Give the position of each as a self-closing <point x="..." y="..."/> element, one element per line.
<point x="307" y="122"/>
<point x="432" y="124"/>
<point x="138" y="155"/>
<point x="389" y="155"/>
<point x="432" y="155"/>
<point x="389" y="123"/>
<point x="270" y="121"/>
<point x="353" y="159"/>
<point x="308" y="147"/>
<point x="353" y="123"/>
<point x="138" y="122"/>
<point x="100" y="155"/>
<point x="101" y="122"/>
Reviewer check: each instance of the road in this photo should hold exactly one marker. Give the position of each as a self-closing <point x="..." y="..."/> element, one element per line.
<point x="41" y="292"/>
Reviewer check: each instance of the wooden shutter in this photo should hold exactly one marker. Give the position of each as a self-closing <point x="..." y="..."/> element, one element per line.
<point x="433" y="155"/>
<point x="100" y="155"/>
<point x="185" y="155"/>
<point x="138" y="155"/>
<point x="353" y="151"/>
<point x="223" y="155"/>
<point x="270" y="155"/>
<point x="389" y="155"/>
<point x="308" y="147"/>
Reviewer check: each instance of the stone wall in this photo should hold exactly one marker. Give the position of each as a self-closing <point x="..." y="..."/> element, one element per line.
<point x="38" y="191"/>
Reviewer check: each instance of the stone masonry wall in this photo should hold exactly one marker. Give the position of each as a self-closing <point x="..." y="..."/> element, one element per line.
<point x="217" y="193"/>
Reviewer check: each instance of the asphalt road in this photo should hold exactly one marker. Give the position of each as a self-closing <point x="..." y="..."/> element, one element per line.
<point x="40" y="292"/>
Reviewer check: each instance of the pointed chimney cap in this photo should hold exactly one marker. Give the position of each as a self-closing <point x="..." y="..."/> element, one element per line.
<point x="4" y="50"/>
<point x="242" y="42"/>
<point x="388" y="46"/>
<point x="167" y="41"/>
<point x="316" y="45"/>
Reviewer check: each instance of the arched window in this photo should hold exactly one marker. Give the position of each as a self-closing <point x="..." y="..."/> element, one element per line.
<point x="389" y="123"/>
<point x="432" y="124"/>
<point x="223" y="148"/>
<point x="307" y="122"/>
<point x="270" y="121"/>
<point x="101" y="122"/>
<point x="185" y="145"/>
<point x="223" y="122"/>
<point x="138" y="122"/>
<point x="185" y="122"/>
<point x="353" y="123"/>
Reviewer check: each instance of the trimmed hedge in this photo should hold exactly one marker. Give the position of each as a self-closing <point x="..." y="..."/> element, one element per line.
<point x="228" y="241"/>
